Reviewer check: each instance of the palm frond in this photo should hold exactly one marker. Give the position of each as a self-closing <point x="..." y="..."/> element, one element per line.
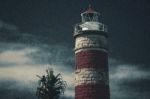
<point x="52" y="87"/>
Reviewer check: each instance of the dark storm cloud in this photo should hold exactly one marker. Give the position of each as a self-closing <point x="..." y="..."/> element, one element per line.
<point x="16" y="94"/>
<point x="138" y="88"/>
<point x="128" y="81"/>
<point x="129" y="32"/>
<point x="135" y="89"/>
<point x="135" y="86"/>
<point x="7" y="26"/>
<point x="13" y="91"/>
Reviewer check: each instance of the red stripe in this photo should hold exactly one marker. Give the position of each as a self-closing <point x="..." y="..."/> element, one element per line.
<point x="91" y="59"/>
<point x="92" y="92"/>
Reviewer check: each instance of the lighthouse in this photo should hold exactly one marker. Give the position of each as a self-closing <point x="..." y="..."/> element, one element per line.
<point x="91" y="57"/>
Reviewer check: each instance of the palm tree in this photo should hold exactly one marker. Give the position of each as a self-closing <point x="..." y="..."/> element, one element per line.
<point x="50" y="86"/>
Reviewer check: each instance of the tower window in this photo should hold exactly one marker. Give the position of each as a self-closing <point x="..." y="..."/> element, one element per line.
<point x="89" y="17"/>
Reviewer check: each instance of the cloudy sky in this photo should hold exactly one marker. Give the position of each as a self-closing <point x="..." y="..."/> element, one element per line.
<point x="38" y="33"/>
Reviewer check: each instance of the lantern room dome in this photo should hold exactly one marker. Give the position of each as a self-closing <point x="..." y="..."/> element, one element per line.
<point x="90" y="10"/>
<point x="90" y="15"/>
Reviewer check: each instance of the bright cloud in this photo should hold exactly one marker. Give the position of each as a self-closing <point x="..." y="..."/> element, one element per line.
<point x="16" y="56"/>
<point x="130" y="72"/>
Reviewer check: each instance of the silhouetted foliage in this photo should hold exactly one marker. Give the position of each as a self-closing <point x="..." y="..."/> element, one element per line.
<point x="50" y="86"/>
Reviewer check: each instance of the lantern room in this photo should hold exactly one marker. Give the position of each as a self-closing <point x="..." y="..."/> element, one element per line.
<point x="90" y="15"/>
<point x="90" y="22"/>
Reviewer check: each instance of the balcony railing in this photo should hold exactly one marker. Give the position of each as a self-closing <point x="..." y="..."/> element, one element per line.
<point x="87" y="27"/>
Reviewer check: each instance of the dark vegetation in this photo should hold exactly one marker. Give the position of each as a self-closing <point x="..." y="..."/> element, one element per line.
<point x="50" y="86"/>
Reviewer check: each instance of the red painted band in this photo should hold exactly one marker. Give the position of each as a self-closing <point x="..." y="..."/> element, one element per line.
<point x="92" y="92"/>
<point x="91" y="59"/>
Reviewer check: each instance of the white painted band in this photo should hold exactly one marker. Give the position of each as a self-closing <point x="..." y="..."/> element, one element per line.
<point x="90" y="76"/>
<point x="95" y="41"/>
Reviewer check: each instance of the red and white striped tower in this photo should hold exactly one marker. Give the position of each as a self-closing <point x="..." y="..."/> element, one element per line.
<point x="91" y="58"/>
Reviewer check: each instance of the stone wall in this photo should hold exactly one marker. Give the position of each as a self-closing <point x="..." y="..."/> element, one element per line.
<point x="91" y="62"/>
<point x="93" y="41"/>
<point x="90" y="76"/>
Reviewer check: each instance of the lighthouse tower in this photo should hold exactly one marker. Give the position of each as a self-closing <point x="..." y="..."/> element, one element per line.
<point x="91" y="57"/>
